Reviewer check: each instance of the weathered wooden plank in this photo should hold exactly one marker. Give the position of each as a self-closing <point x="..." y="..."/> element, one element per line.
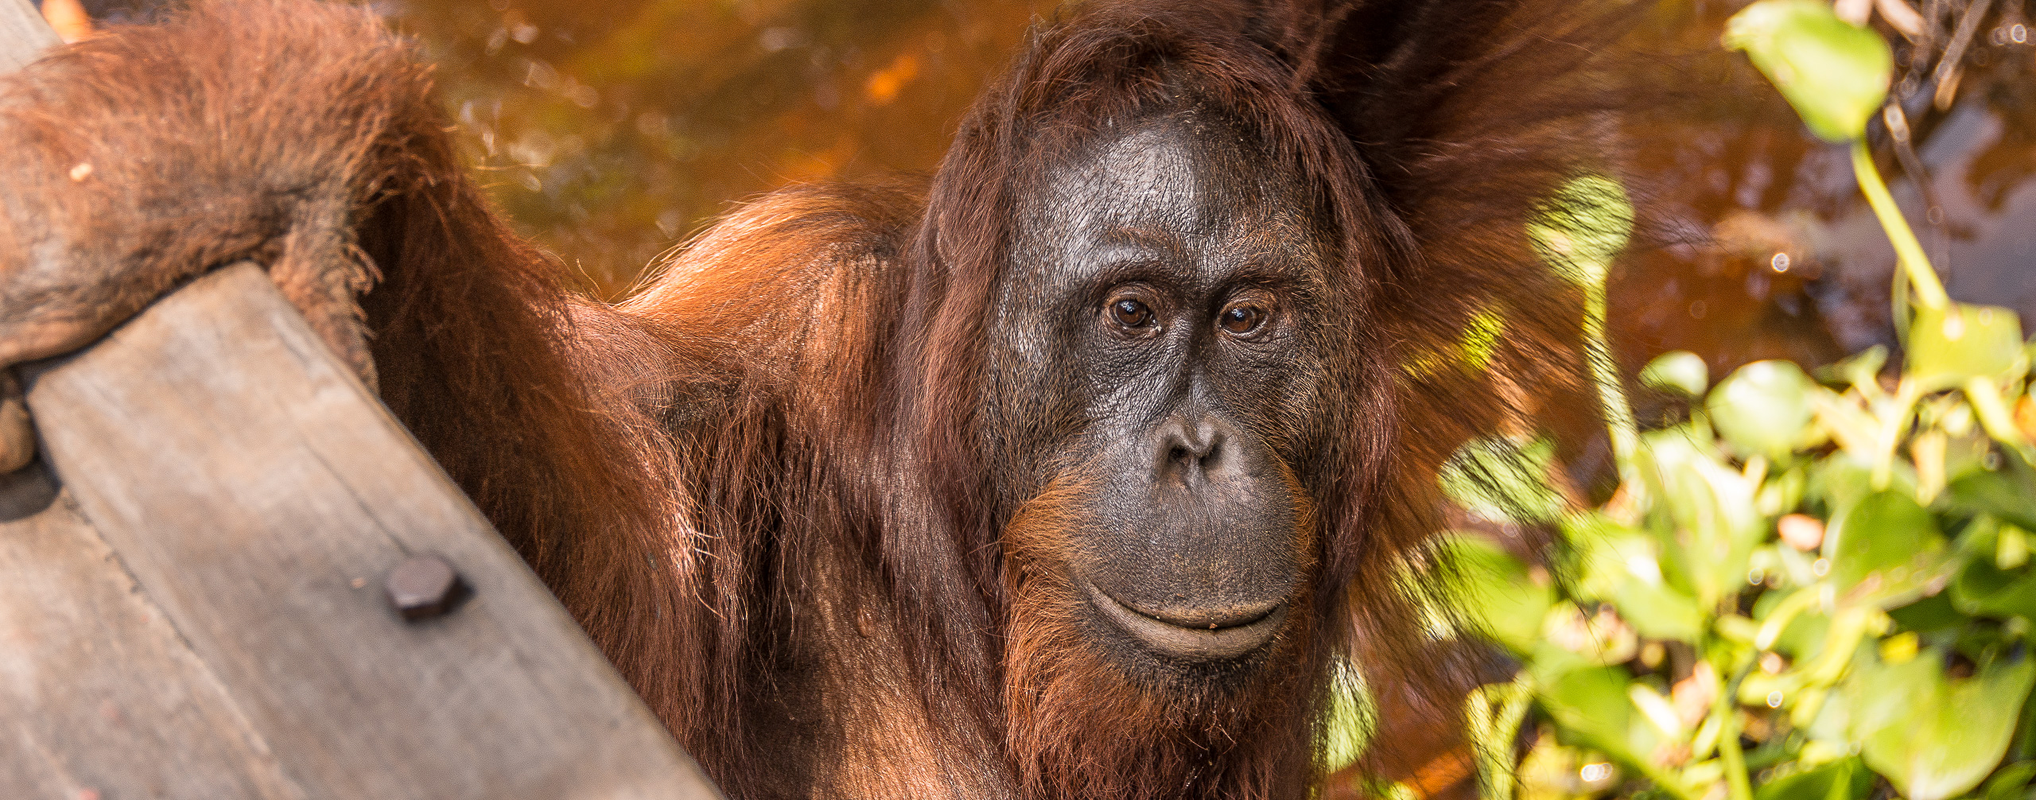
<point x="99" y="696"/>
<point x="257" y="494"/>
<point x="23" y="34"/>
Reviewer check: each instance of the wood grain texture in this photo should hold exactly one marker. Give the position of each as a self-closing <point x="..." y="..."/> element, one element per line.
<point x="98" y="693"/>
<point x="23" y="34"/>
<point x="256" y="494"/>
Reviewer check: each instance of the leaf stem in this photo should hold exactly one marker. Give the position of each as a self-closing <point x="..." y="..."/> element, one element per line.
<point x="1739" y="787"/>
<point x="1908" y="251"/>
<point x="1994" y="416"/>
<point x="1619" y="422"/>
<point x="1893" y="417"/>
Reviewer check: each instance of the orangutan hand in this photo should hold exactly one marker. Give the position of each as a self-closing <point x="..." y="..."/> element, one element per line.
<point x="137" y="160"/>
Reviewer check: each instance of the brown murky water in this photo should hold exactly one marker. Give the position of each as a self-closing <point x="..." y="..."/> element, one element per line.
<point x="1767" y="248"/>
<point x="613" y="129"/>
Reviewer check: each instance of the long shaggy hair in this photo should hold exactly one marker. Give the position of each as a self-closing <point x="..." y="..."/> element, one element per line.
<point x="762" y="484"/>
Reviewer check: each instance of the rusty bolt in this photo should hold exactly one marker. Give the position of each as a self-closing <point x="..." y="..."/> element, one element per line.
<point x="423" y="586"/>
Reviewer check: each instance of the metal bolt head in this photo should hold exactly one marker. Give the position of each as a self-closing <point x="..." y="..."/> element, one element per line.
<point x="423" y="586"/>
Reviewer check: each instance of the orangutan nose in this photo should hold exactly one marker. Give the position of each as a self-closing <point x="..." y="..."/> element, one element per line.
<point x="1192" y="450"/>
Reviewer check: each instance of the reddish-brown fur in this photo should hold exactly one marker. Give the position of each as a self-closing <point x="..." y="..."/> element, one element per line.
<point x="757" y="483"/>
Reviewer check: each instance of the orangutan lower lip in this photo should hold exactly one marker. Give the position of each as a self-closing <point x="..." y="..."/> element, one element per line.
<point x="1204" y="638"/>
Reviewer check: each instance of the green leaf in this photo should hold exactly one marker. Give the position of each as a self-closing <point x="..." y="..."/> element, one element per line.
<point x="1591" y="705"/>
<point x="1624" y="567"/>
<point x="2002" y="494"/>
<point x="1885" y="550"/>
<point x="1714" y="523"/>
<point x="1839" y="780"/>
<point x="1497" y="592"/>
<point x="1984" y="589"/>
<point x="1763" y="408"/>
<point x="1804" y="636"/>
<point x="1500" y="479"/>
<point x="1839" y="481"/>
<point x="1805" y="633"/>
<point x="1657" y="611"/>
<point x="2010" y="781"/>
<point x="1480" y="339"/>
<point x="1946" y="346"/>
<point x="1933" y="613"/>
<point x="1935" y="738"/>
<point x="1353" y="717"/>
<point x="1583" y="228"/>
<point x="1679" y="371"/>
<point x="1472" y="352"/>
<point x="1861" y="369"/>
<point x="1833" y="72"/>
<point x="1966" y="455"/>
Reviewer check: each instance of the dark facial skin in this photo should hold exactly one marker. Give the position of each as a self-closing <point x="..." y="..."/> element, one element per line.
<point x="1155" y="349"/>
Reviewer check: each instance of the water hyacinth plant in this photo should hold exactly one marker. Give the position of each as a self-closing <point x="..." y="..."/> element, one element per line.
<point x="1817" y="586"/>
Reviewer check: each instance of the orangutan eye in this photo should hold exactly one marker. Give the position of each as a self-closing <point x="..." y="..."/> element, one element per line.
<point x="1247" y="314"/>
<point x="1241" y="319"/>
<point x="1130" y="313"/>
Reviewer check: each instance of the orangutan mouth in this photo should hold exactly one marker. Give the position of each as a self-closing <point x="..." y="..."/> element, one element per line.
<point x="1215" y="633"/>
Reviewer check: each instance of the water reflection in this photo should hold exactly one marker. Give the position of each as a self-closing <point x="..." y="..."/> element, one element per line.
<point x="1767" y="250"/>
<point x="614" y="129"/>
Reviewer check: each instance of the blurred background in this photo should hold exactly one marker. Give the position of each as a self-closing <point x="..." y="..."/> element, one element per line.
<point x="612" y="130"/>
